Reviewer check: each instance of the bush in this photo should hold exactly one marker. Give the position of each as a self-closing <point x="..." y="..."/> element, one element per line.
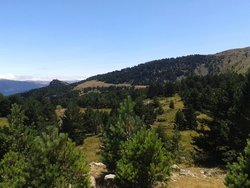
<point x="144" y="161"/>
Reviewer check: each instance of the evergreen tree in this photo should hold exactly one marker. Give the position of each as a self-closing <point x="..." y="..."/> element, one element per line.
<point x="30" y="158"/>
<point x="238" y="174"/>
<point x="190" y="118"/>
<point x="121" y="130"/>
<point x="15" y="136"/>
<point x="5" y="106"/>
<point x="225" y="136"/>
<point x="51" y="160"/>
<point x="180" y="120"/>
<point x="92" y="121"/>
<point x="176" y="146"/>
<point x="73" y="124"/>
<point x="143" y="161"/>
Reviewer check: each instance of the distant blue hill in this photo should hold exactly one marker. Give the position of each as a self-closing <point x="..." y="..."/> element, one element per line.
<point x="10" y="87"/>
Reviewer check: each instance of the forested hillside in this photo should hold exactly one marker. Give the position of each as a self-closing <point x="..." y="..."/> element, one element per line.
<point x="172" y="69"/>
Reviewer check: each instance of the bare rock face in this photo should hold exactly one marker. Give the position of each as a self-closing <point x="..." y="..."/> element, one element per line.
<point x="57" y="83"/>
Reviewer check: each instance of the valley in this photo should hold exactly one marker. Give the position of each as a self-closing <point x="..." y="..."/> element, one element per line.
<point x="185" y="129"/>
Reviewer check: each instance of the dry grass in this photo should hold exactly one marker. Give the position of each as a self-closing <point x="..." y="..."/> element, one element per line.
<point x="169" y="114"/>
<point x="99" y="109"/>
<point x="202" y="116"/>
<point x="199" y="180"/>
<point x="95" y="84"/>
<point x="3" y="121"/>
<point x="91" y="148"/>
<point x="60" y="112"/>
<point x="169" y="117"/>
<point x="237" y="60"/>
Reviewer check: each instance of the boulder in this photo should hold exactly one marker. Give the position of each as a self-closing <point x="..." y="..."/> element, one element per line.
<point x="175" y="168"/>
<point x="186" y="173"/>
<point x="109" y="177"/>
<point x="109" y="180"/>
<point x="97" y="164"/>
<point x="92" y="182"/>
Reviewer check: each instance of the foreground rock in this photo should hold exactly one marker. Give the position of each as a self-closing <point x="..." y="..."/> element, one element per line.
<point x="97" y="172"/>
<point x="109" y="180"/>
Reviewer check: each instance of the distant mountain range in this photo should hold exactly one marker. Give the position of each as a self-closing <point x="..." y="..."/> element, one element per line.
<point x="9" y="87"/>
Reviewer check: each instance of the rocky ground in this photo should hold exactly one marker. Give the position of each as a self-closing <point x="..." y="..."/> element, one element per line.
<point x="196" y="177"/>
<point x="182" y="176"/>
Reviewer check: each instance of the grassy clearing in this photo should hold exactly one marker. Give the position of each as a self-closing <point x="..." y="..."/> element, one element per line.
<point x="169" y="117"/>
<point x="99" y="109"/>
<point x="95" y="84"/>
<point x="169" y="114"/>
<point x="91" y="148"/>
<point x="3" y="121"/>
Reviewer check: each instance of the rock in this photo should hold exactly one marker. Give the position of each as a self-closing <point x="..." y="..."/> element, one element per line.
<point x="183" y="159"/>
<point x="175" y="168"/>
<point x="97" y="164"/>
<point x="159" y="184"/>
<point x="92" y="182"/>
<point x="109" y="180"/>
<point x="109" y="176"/>
<point x="209" y="173"/>
<point x="186" y="173"/>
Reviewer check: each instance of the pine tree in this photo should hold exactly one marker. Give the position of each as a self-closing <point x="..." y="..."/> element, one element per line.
<point x="143" y="161"/>
<point x="30" y="158"/>
<point x="238" y="174"/>
<point x="190" y="118"/>
<point x="126" y="124"/>
<point x="180" y="120"/>
<point x="51" y="160"/>
<point x="73" y="124"/>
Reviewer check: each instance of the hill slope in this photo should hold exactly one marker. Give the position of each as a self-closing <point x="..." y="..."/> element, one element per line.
<point x="172" y="69"/>
<point x="9" y="87"/>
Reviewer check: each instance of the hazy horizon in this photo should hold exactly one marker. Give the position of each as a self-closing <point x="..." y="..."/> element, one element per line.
<point x="73" y="40"/>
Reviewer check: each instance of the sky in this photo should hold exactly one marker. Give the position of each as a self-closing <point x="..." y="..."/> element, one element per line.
<point x="75" y="39"/>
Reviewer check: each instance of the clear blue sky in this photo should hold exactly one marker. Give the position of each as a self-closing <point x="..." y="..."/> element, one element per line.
<point x="73" y="39"/>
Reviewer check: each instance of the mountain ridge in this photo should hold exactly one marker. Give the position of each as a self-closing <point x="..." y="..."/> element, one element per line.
<point x="172" y="69"/>
<point x="166" y="70"/>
